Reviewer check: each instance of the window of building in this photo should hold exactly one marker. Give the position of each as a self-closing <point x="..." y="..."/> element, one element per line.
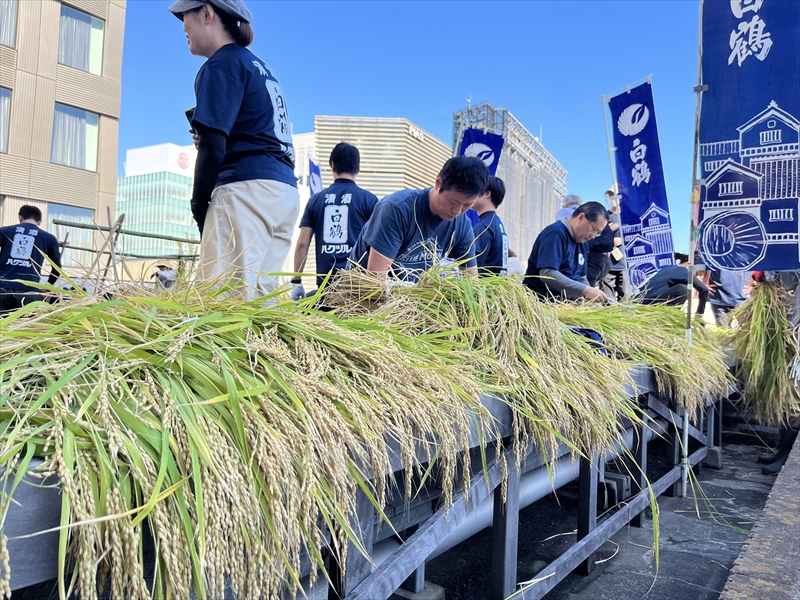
<point x="8" y="22"/>
<point x="5" y="111"/>
<point x="730" y="188"/>
<point x="81" y="238"/>
<point x="770" y="136"/>
<point x="80" y="41"/>
<point x="74" y="138"/>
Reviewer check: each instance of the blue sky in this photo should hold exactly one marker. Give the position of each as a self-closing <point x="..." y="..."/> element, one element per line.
<point x="421" y="60"/>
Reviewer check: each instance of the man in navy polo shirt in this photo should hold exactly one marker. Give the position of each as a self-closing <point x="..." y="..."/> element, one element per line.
<point x="491" y="241"/>
<point x="557" y="265"/>
<point x="412" y="229"/>
<point x="334" y="218"/>
<point x="22" y="251"/>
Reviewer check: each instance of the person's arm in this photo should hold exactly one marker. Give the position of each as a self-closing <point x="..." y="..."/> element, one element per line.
<point x="604" y="242"/>
<point x="301" y="248"/>
<point x="383" y="234"/>
<point x="379" y="264"/>
<point x="702" y="294"/>
<point x="55" y="269"/>
<point x="210" y="155"/>
<point x="560" y="283"/>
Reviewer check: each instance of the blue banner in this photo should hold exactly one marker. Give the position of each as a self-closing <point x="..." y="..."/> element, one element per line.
<point x="644" y="212"/>
<point x="486" y="146"/>
<point x="314" y="178"/>
<point x="749" y="134"/>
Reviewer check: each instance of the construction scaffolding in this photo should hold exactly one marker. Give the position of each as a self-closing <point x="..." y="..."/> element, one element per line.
<point x="535" y="181"/>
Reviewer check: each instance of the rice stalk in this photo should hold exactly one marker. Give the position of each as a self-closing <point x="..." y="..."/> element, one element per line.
<point x="766" y="351"/>
<point x="654" y="335"/>
<point x="259" y="422"/>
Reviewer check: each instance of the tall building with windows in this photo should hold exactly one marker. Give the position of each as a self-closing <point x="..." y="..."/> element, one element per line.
<point x="155" y="197"/>
<point x="60" y="86"/>
<point x="395" y="153"/>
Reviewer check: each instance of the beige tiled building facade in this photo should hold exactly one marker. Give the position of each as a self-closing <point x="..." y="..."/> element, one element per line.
<point x="60" y="84"/>
<point x="395" y="153"/>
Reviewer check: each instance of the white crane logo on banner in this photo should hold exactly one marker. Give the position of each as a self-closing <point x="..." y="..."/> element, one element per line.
<point x="633" y="119"/>
<point x="482" y="151"/>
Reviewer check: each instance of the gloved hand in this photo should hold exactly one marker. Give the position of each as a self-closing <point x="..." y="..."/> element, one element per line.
<point x="392" y="284"/>
<point x="298" y="293"/>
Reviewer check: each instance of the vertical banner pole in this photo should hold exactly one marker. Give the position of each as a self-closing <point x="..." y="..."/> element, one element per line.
<point x="611" y="149"/>
<point x="694" y="199"/>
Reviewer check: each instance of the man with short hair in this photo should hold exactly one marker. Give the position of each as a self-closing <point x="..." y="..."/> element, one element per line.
<point x="557" y="266"/>
<point x="568" y="205"/>
<point x="166" y="276"/>
<point x="334" y="217"/>
<point x="412" y="229"/>
<point x="22" y="251"/>
<point x="491" y="240"/>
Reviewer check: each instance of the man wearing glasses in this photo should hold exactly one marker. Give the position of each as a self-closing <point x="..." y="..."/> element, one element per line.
<point x="557" y="266"/>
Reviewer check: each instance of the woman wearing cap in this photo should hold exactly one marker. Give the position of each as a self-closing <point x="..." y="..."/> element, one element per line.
<point x="245" y="198"/>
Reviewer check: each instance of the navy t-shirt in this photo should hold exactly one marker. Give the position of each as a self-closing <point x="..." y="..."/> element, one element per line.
<point x="555" y="248"/>
<point x="337" y="215"/>
<point x="491" y="244"/>
<point x="238" y="94"/>
<point x="21" y="255"/>
<point x="404" y="228"/>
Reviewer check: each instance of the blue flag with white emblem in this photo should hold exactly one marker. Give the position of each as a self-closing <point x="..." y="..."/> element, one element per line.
<point x="644" y="212"/>
<point x="314" y="178"/>
<point x="749" y="135"/>
<point x="486" y="146"/>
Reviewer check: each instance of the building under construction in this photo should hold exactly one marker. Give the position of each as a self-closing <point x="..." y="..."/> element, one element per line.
<point x="535" y="181"/>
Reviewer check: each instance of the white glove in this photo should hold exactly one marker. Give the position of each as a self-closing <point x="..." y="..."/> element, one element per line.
<point x="391" y="284"/>
<point x="298" y="293"/>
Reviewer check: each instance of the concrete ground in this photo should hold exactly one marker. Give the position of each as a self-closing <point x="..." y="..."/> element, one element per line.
<point x="700" y="538"/>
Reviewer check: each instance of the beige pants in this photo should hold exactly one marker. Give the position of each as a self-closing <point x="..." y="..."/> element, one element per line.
<point x="248" y="233"/>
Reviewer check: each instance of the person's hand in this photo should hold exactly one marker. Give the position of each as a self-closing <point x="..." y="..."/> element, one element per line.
<point x="613" y="226"/>
<point x="593" y="294"/>
<point x="195" y="139"/>
<point x="298" y="293"/>
<point x="392" y="284"/>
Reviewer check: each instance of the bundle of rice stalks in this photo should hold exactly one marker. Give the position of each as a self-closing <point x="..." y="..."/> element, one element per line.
<point x="656" y="335"/>
<point x="559" y="387"/>
<point x="766" y="350"/>
<point x="238" y="432"/>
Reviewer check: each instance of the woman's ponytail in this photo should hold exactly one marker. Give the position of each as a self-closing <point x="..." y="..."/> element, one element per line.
<point x="239" y="30"/>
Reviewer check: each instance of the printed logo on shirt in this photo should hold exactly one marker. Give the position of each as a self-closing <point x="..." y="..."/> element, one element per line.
<point x="421" y="253"/>
<point x="581" y="260"/>
<point x="22" y="245"/>
<point x="335" y="220"/>
<point x="280" y="119"/>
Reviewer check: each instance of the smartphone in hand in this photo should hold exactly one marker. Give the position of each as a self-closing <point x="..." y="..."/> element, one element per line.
<point x="189" y="112"/>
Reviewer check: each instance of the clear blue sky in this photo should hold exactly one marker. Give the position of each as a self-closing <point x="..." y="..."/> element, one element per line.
<point x="421" y="60"/>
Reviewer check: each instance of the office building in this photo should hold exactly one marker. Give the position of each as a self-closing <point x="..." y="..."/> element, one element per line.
<point x="154" y="197"/>
<point x="395" y="153"/>
<point x="60" y="84"/>
<point x="535" y="181"/>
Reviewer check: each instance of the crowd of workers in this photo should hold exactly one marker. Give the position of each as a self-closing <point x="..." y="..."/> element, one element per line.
<point x="246" y="205"/>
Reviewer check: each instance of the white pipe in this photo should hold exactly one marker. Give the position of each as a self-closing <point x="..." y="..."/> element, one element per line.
<point x="685" y="451"/>
<point x="533" y="486"/>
